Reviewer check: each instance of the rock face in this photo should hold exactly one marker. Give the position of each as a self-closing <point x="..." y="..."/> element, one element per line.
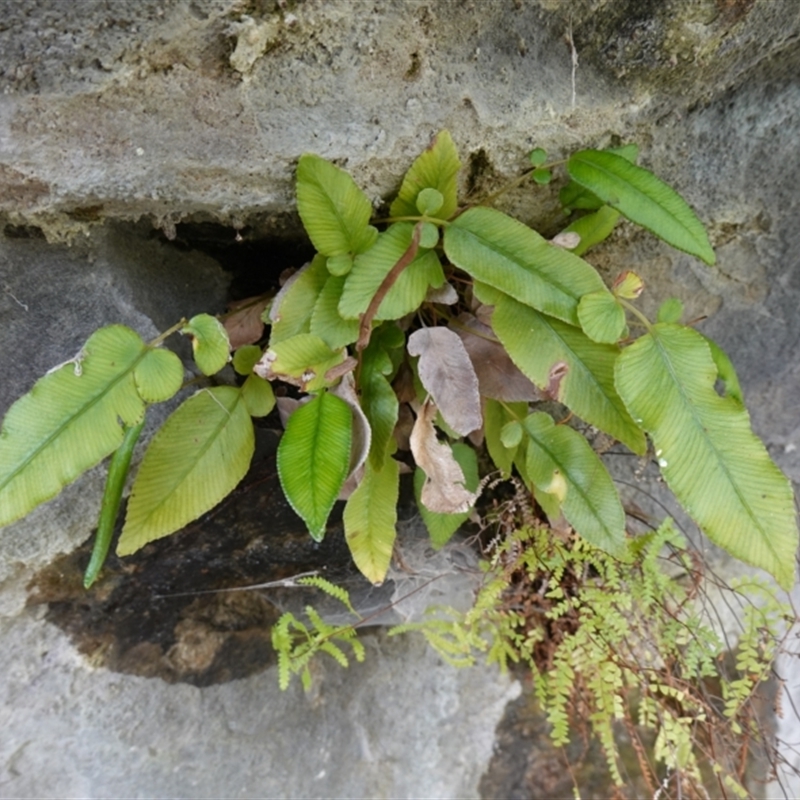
<point x="125" y="127"/>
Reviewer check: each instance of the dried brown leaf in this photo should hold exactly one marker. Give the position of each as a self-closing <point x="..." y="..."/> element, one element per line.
<point x="244" y="325"/>
<point x="447" y="374"/>
<point x="498" y="377"/>
<point x="445" y="294"/>
<point x="444" y="490"/>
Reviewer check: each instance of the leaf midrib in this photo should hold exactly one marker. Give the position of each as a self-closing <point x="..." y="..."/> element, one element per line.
<point x="181" y="476"/>
<point x="574" y="483"/>
<point x="593" y="379"/>
<point x="34" y="454"/>
<point x="697" y="420"/>
<point x="547" y="280"/>
<point x="615" y="178"/>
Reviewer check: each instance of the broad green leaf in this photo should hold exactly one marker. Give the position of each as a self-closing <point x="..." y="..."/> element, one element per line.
<point x="293" y="306"/>
<point x="593" y="228"/>
<point x="370" y="517"/>
<point x="537" y="342"/>
<point x="245" y="358"/>
<point x="259" y="399"/>
<point x="326" y="322"/>
<point x="573" y="195"/>
<point x="371" y="268"/>
<point x="441" y="527"/>
<point x="314" y="458"/>
<point x="495" y="416"/>
<point x="717" y="468"/>
<point x="602" y="317"/>
<point x="642" y="198"/>
<point x="334" y="211"/>
<point x="304" y="359"/>
<point x="158" y="376"/>
<point x="725" y="371"/>
<point x="69" y="421"/>
<point x="561" y="463"/>
<point x="195" y="460"/>
<point x="379" y="404"/>
<point x="209" y="342"/>
<point x="437" y="168"/>
<point x="486" y="294"/>
<point x="502" y="252"/>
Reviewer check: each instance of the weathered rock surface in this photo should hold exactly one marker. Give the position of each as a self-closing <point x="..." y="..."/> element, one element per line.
<point x="122" y="119"/>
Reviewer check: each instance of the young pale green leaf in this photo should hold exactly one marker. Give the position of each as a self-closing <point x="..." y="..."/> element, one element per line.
<point x="334" y="211"/>
<point x="537" y="342"/>
<point x="642" y="198"/>
<point x="627" y="285"/>
<point x="511" y="434"/>
<point x="245" y="358"/>
<point x="195" y="460"/>
<point x="293" y="306"/>
<point x="209" y="342"/>
<point x="370" y="268"/>
<point x="542" y="176"/>
<point x="326" y="322"/>
<point x="69" y="421"/>
<point x="303" y="360"/>
<point x="537" y="157"/>
<point x="560" y="462"/>
<point x="314" y="458"/>
<point x="441" y="527"/>
<point x="574" y="196"/>
<point x="429" y="201"/>
<point x="158" y="375"/>
<point x="259" y="399"/>
<point x="725" y="371"/>
<point x="670" y="310"/>
<point x="502" y="252"/>
<point x="429" y="236"/>
<point x="602" y="317"/>
<point x="717" y="468"/>
<point x="370" y="517"/>
<point x="495" y="417"/>
<point x="593" y="228"/>
<point x="338" y="266"/>
<point x="437" y="168"/>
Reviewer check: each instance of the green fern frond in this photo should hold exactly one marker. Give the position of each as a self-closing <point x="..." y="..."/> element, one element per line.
<point x="331" y="589"/>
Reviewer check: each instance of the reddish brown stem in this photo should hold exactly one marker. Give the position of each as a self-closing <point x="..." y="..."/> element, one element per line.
<point x="365" y="324"/>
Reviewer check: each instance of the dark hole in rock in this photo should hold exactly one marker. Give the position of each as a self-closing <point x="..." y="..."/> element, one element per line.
<point x="254" y="259"/>
<point x="132" y="620"/>
<point x="137" y="620"/>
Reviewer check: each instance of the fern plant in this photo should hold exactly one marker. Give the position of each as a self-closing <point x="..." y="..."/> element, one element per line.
<point x="457" y="315"/>
<point x="296" y="643"/>
<point x="617" y="645"/>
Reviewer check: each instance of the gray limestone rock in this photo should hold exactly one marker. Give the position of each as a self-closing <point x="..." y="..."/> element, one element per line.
<point x="121" y="120"/>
